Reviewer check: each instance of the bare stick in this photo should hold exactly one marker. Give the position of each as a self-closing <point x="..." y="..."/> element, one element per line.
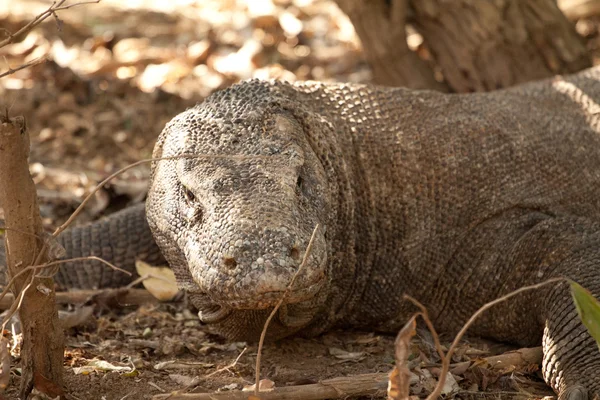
<point x="524" y="356"/>
<point x="28" y="64"/>
<point x="351" y="386"/>
<point x="228" y="367"/>
<point x="17" y="304"/>
<point x="56" y="6"/>
<point x="75" y="213"/>
<point x="446" y="363"/>
<point x="425" y="315"/>
<point x="263" y="334"/>
<point x="126" y="297"/>
<point x="80" y="3"/>
<point x="4" y="228"/>
<point x="57" y="262"/>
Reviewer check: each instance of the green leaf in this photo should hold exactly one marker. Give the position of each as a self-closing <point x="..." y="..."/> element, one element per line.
<point x="588" y="308"/>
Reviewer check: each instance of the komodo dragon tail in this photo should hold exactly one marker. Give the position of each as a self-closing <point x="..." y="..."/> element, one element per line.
<point x="120" y="239"/>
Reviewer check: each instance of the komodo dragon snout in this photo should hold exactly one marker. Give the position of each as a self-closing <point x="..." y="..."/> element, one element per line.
<point x="235" y="221"/>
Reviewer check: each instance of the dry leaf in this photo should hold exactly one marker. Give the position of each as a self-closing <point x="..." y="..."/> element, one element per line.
<point x="161" y="281"/>
<point x="399" y="384"/>
<point x="231" y="386"/>
<point x="101" y="366"/>
<point x="450" y="385"/>
<point x="183" y="380"/>
<point x="264" y="385"/>
<point x="346" y="355"/>
<point x="460" y="369"/>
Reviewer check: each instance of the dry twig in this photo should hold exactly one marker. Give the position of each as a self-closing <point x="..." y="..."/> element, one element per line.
<point x="28" y="64"/>
<point x="343" y="387"/>
<point x="51" y="11"/>
<point x="100" y="185"/>
<point x="228" y="367"/>
<point x="425" y="315"/>
<point x="133" y="297"/>
<point x="520" y="357"/>
<point x="56" y="6"/>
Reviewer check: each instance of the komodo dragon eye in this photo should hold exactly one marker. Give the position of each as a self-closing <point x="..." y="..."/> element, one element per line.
<point x="192" y="211"/>
<point x="299" y="184"/>
<point x="190" y="198"/>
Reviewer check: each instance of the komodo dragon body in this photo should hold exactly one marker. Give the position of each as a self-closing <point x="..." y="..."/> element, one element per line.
<point x="452" y="199"/>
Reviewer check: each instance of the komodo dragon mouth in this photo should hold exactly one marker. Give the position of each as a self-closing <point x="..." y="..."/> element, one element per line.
<point x="298" y="301"/>
<point x="291" y="315"/>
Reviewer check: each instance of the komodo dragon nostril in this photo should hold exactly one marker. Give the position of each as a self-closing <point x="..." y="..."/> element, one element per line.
<point x="295" y="253"/>
<point x="229" y="262"/>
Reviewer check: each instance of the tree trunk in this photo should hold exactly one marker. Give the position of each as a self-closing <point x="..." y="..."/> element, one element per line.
<point x="479" y="45"/>
<point x="487" y="45"/>
<point x="381" y="29"/>
<point x="42" y="350"/>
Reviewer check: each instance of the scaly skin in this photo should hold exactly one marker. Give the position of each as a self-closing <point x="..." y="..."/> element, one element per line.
<point x="453" y="199"/>
<point x="120" y="239"/>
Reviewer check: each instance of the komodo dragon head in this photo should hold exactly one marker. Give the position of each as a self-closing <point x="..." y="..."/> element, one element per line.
<point x="235" y="221"/>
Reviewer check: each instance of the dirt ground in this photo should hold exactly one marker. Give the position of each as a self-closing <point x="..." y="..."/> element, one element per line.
<point x="117" y="72"/>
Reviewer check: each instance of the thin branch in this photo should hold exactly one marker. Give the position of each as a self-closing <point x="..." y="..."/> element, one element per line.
<point x="287" y="291"/>
<point x="80" y="3"/>
<point x="125" y="296"/>
<point x="56" y="262"/>
<point x="365" y="385"/>
<point x="21" y="231"/>
<point x="34" y="275"/>
<point x="28" y="64"/>
<point x="56" y="6"/>
<point x="61" y="228"/>
<point x="16" y="305"/>
<point x="228" y="367"/>
<point x="86" y="258"/>
<point x="425" y="315"/>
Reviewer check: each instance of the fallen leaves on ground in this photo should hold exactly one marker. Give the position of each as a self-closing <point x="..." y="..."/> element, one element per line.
<point x="264" y="385"/>
<point x="102" y="366"/>
<point x="399" y="383"/>
<point x="159" y="281"/>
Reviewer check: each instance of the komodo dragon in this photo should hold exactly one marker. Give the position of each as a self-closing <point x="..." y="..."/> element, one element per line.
<point x="453" y="199"/>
